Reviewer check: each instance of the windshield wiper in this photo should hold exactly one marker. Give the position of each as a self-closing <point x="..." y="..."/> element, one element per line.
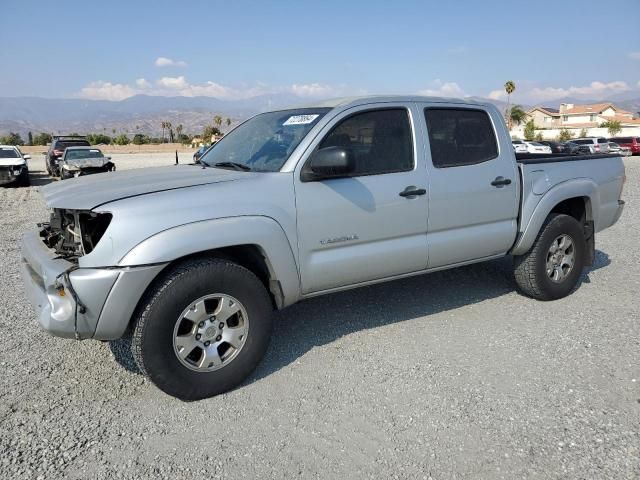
<point x="235" y="165"/>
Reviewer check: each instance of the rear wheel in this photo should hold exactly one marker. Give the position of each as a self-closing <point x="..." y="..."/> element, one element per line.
<point x="202" y="329"/>
<point x="552" y="268"/>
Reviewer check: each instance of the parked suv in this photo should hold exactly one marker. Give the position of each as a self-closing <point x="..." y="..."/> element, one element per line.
<point x="595" y="144"/>
<point x="57" y="148"/>
<point x="633" y="143"/>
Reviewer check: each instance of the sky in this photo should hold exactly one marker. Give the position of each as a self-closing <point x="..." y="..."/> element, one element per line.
<point x="325" y="48"/>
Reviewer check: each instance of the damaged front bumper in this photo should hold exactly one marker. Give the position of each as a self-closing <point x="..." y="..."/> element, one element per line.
<point x="81" y="303"/>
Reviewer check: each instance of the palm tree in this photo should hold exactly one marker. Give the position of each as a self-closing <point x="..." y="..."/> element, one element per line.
<point x="217" y="120"/>
<point x="163" y="124"/>
<point x="509" y="87"/>
<point x="179" y="130"/>
<point x="170" y="129"/>
<point x="228" y="122"/>
<point x="517" y="115"/>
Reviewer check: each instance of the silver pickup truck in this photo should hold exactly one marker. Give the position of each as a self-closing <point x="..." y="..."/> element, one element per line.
<point x="191" y="260"/>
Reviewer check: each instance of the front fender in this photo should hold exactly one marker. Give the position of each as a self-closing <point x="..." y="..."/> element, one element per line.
<point x="191" y="238"/>
<point x="537" y="212"/>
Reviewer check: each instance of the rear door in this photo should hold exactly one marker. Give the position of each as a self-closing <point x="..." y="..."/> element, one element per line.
<point x="473" y="185"/>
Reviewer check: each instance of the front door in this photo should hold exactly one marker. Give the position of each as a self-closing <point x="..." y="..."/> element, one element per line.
<point x="356" y="229"/>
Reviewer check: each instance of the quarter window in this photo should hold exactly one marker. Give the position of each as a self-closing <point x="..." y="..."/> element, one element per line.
<point x="460" y="137"/>
<point x="380" y="140"/>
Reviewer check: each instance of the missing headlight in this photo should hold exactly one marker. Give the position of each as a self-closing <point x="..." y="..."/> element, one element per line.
<point x="73" y="233"/>
<point x="92" y="228"/>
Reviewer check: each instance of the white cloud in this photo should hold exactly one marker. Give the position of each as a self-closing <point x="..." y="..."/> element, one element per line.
<point x="142" y="83"/>
<point x="634" y="55"/>
<point x="497" y="94"/>
<point x="180" y="86"/>
<point x="596" y="90"/>
<point x="312" y="90"/>
<point x="167" y="62"/>
<point x="443" y="89"/>
<point x="174" y="83"/>
<point x="106" y="91"/>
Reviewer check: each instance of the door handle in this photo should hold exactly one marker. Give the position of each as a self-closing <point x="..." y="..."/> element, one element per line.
<point x="412" y="191"/>
<point x="501" y="182"/>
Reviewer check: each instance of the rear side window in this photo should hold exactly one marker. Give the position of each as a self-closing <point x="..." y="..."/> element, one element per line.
<point x="583" y="142"/>
<point x="622" y="140"/>
<point x="603" y="140"/>
<point x="72" y="143"/>
<point x="460" y="137"/>
<point x="380" y="140"/>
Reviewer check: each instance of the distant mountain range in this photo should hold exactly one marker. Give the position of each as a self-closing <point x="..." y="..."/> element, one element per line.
<point x="144" y="114"/>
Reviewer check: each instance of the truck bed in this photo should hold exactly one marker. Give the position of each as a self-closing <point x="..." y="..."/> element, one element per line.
<point x="547" y="179"/>
<point x="532" y="158"/>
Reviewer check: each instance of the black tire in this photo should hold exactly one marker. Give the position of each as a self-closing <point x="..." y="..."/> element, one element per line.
<point x="156" y="317"/>
<point x="23" y="179"/>
<point x="65" y="176"/>
<point x="530" y="269"/>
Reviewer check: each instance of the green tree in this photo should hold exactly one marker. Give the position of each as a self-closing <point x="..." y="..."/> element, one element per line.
<point x="138" y="139"/>
<point x="529" y="131"/>
<point x="509" y="87"/>
<point x="539" y="137"/>
<point x="584" y="133"/>
<point x="208" y="132"/>
<point x="12" y="139"/>
<point x="228" y="122"/>
<point x="517" y="115"/>
<point x="179" y="130"/>
<point x="122" y="139"/>
<point x="565" y="135"/>
<point x="99" y="139"/>
<point x="42" y="139"/>
<point x="217" y="120"/>
<point x="614" y="127"/>
<point x="30" y="139"/>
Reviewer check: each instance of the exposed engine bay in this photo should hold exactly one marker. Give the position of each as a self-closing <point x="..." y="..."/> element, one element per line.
<point x="74" y="233"/>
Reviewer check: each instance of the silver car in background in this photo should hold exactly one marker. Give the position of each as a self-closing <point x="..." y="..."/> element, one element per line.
<point x="78" y="161"/>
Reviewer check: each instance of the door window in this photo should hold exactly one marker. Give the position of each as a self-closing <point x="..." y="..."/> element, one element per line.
<point x="460" y="137"/>
<point x="380" y="140"/>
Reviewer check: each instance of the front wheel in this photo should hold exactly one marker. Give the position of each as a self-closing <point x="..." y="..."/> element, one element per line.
<point x="202" y="329"/>
<point x="552" y="268"/>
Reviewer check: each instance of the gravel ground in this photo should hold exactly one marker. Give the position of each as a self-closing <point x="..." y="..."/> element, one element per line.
<point x="449" y="375"/>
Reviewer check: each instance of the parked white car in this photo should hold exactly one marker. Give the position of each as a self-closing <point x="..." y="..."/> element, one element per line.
<point x="13" y="166"/>
<point x="535" y="147"/>
<point x="519" y="146"/>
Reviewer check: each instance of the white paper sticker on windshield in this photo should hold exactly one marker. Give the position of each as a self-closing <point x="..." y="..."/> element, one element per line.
<point x="300" y="119"/>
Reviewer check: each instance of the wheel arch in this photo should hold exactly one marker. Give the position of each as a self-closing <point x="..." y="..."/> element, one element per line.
<point x="575" y="198"/>
<point x="255" y="242"/>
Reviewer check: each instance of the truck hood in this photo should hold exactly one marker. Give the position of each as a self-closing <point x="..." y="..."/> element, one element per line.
<point x="86" y="193"/>
<point x="87" y="162"/>
<point x="11" y="162"/>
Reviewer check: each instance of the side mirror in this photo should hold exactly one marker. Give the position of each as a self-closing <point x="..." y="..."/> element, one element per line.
<point x="26" y="157"/>
<point x="329" y="162"/>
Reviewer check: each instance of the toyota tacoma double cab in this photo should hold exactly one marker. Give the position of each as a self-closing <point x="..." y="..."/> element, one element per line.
<point x="191" y="260"/>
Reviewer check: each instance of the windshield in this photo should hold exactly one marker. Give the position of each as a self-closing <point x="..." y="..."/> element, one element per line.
<point x="8" y="153"/>
<point x="75" y="154"/>
<point x="264" y="142"/>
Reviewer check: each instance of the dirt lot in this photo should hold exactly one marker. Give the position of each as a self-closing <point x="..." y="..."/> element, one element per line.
<point x="118" y="149"/>
<point x="449" y="375"/>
